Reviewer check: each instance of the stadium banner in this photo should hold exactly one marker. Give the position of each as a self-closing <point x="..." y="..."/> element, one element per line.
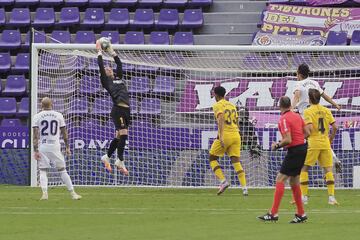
<point x="14" y="137"/>
<point x="297" y="19"/>
<point x="263" y="94"/>
<point x="266" y="39"/>
<point x="324" y="2"/>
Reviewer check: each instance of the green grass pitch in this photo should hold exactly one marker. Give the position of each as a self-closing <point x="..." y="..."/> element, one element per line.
<point x="150" y="213"/>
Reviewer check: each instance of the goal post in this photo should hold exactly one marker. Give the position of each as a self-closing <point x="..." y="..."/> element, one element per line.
<point x="171" y="98"/>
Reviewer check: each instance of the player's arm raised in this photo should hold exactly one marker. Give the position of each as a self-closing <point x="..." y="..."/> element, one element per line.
<point x="66" y="140"/>
<point x="331" y="101"/>
<point x="118" y="62"/>
<point x="100" y="59"/>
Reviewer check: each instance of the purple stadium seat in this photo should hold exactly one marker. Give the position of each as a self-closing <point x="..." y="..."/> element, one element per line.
<point x="193" y="18"/>
<point x="132" y="37"/>
<point x="69" y="16"/>
<point x="355" y="38"/>
<point x="133" y="105"/>
<point x="5" y="62"/>
<point x="85" y="37"/>
<point x="287" y="33"/>
<point x="311" y="33"/>
<point x="59" y="104"/>
<point x="150" y="3"/>
<point x="11" y="122"/>
<point x="113" y="35"/>
<point x="301" y="58"/>
<point x="2" y="17"/>
<point x="22" y="63"/>
<point x="118" y="18"/>
<point x="50" y="3"/>
<point x="199" y="3"/>
<point x="175" y="3"/>
<point x="60" y="36"/>
<point x="99" y="3"/>
<point x="78" y="106"/>
<point x="161" y="38"/>
<point x="150" y="106"/>
<point x="49" y="61"/>
<point x="89" y="85"/>
<point x="44" y="17"/>
<point x="139" y="85"/>
<point x="276" y="61"/>
<point x="327" y="60"/>
<point x="168" y="19"/>
<point x="337" y="38"/>
<point x="94" y="18"/>
<point x="146" y="68"/>
<point x="10" y="39"/>
<point x="183" y="38"/>
<point x="19" y="17"/>
<point x="102" y="106"/>
<point x="76" y="3"/>
<point x="39" y="37"/>
<point x="164" y="84"/>
<point x="143" y="18"/>
<point x="253" y="61"/>
<point x="7" y="107"/>
<point x="23" y="108"/>
<point x="44" y="88"/>
<point x="124" y="3"/>
<point x="15" y="86"/>
<point x="6" y="2"/>
<point x="26" y="2"/>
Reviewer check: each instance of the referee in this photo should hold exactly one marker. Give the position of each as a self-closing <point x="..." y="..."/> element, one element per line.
<point x="120" y="113"/>
<point x="292" y="129"/>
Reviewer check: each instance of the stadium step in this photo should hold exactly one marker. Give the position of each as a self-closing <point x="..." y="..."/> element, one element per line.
<point x="238" y="6"/>
<point x="229" y="28"/>
<point x="224" y="39"/>
<point x="232" y="17"/>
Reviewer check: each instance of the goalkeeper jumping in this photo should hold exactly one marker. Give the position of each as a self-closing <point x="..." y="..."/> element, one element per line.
<point x="120" y="113"/>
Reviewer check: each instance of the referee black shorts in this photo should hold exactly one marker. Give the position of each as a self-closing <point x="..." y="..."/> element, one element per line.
<point x="121" y="117"/>
<point x="294" y="160"/>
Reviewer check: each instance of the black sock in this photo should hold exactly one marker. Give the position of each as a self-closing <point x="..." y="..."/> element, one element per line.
<point x="121" y="147"/>
<point x="112" y="147"/>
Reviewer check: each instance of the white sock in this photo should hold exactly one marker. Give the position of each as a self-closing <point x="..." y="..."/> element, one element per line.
<point x="66" y="180"/>
<point x="43" y="181"/>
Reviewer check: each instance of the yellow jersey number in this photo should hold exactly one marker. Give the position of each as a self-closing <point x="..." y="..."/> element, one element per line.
<point x="230" y="116"/>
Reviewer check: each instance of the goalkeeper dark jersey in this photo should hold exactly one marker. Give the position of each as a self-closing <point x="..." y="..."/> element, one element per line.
<point x="115" y="87"/>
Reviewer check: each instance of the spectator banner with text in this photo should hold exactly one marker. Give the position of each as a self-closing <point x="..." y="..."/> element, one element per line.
<point x="266" y="39"/>
<point x="278" y="17"/>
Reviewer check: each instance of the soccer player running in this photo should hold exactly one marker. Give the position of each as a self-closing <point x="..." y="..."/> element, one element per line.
<point x="120" y="113"/>
<point x="47" y="126"/>
<point x="318" y="120"/>
<point x="293" y="131"/>
<point x="228" y="140"/>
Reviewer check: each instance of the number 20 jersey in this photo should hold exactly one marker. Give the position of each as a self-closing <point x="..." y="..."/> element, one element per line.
<point x="49" y="123"/>
<point x="230" y="115"/>
<point x="321" y="118"/>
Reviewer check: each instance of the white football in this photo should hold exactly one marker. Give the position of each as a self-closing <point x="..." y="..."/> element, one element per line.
<point x="105" y="43"/>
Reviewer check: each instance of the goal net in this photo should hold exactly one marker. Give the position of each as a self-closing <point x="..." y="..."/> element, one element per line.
<point x="173" y="125"/>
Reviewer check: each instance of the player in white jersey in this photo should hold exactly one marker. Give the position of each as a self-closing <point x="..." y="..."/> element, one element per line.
<point x="301" y="91"/>
<point x="301" y="98"/>
<point x="47" y="126"/>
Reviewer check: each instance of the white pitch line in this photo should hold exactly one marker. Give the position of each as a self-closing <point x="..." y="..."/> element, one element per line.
<point x="71" y="213"/>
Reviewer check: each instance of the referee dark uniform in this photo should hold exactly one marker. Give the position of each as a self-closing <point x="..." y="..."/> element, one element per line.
<point x="120" y="113"/>
<point x="292" y="128"/>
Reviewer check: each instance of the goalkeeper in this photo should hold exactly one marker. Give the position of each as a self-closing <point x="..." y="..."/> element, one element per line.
<point x="120" y="113"/>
